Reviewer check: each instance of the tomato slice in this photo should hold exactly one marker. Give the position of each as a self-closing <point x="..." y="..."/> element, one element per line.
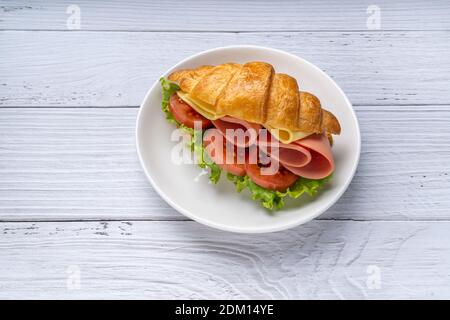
<point x="279" y="181"/>
<point x="185" y="114"/>
<point x="215" y="146"/>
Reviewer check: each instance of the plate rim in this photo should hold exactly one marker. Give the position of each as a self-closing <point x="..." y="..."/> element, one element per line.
<point x="234" y="229"/>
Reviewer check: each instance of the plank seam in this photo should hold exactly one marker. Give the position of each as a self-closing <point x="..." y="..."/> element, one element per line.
<point x="135" y="107"/>
<point x="229" y="31"/>
<point x="188" y="220"/>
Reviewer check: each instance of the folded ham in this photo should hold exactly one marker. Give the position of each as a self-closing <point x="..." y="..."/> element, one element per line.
<point x="244" y="138"/>
<point x="310" y="157"/>
<point x="291" y="154"/>
<point x="321" y="164"/>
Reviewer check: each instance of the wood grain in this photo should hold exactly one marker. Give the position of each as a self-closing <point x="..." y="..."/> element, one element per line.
<point x="322" y="259"/>
<point x="116" y="69"/>
<point x="231" y="15"/>
<point x="74" y="164"/>
<point x="67" y="153"/>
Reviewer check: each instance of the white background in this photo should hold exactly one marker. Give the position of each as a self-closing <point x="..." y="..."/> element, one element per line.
<point x="79" y="220"/>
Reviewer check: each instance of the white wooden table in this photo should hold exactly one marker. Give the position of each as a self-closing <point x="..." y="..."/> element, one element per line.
<point x="79" y="220"/>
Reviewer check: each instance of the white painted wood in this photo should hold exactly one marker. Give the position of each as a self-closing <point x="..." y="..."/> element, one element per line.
<point x="116" y="69"/>
<point x="74" y="164"/>
<point x="323" y="259"/>
<point x="68" y="163"/>
<point x="230" y="15"/>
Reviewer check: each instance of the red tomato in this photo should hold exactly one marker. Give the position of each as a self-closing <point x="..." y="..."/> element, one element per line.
<point x="279" y="181"/>
<point x="184" y="113"/>
<point x="217" y="153"/>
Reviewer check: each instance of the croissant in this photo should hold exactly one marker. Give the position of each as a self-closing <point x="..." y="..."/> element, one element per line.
<point x="255" y="93"/>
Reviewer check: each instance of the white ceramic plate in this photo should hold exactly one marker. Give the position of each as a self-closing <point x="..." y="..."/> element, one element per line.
<point x="220" y="206"/>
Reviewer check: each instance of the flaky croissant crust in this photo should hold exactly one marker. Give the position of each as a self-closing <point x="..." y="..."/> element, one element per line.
<point x="255" y="93"/>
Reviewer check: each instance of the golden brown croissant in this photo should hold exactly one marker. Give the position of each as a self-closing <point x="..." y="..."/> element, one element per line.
<point x="255" y="93"/>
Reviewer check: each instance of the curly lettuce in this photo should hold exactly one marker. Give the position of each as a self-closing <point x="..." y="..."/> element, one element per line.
<point x="274" y="200"/>
<point x="269" y="199"/>
<point x="195" y="144"/>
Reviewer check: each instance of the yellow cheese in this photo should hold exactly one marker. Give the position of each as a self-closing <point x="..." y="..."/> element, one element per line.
<point x="204" y="109"/>
<point x="287" y="136"/>
<point x="284" y="135"/>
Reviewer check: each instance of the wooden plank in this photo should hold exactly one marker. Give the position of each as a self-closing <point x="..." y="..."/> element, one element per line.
<point x="117" y="69"/>
<point x="232" y="15"/>
<point x="184" y="260"/>
<point x="76" y="164"/>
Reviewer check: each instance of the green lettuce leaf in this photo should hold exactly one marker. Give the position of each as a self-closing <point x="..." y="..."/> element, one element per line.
<point x="202" y="157"/>
<point x="168" y="88"/>
<point x="274" y="200"/>
<point x="195" y="144"/>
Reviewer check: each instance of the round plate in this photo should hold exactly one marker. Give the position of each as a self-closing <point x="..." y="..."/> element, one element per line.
<point x="220" y="206"/>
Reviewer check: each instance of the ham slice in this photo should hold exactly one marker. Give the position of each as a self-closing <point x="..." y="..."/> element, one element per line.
<point x="245" y="137"/>
<point x="310" y="157"/>
<point x="321" y="164"/>
<point x="291" y="154"/>
<point x="217" y="150"/>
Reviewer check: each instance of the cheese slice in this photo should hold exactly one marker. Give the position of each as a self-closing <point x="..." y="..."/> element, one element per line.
<point x="204" y="109"/>
<point x="284" y="135"/>
<point x="287" y="136"/>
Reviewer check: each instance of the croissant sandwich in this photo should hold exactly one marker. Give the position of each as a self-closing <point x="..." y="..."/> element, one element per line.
<point x="281" y="128"/>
